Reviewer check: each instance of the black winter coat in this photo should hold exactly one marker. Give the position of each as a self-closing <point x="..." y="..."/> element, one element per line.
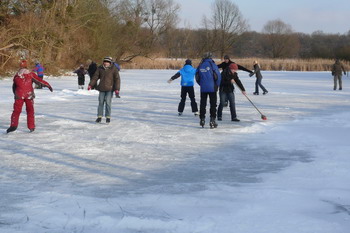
<point x="224" y="65"/>
<point x="226" y="85"/>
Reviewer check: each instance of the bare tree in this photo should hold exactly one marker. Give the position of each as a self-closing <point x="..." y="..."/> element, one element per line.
<point x="227" y="24"/>
<point x="280" y="39"/>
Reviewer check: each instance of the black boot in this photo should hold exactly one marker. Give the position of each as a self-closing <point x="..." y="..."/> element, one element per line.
<point x="11" y="129"/>
<point x="98" y="120"/>
<point x="212" y="123"/>
<point x="202" y="122"/>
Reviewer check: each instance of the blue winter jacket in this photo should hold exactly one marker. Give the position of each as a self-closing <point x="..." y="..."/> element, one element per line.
<point x="39" y="69"/>
<point x="208" y="76"/>
<point x="187" y="74"/>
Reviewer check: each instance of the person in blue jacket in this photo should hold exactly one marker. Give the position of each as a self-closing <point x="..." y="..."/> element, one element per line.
<point x="187" y="74"/>
<point x="208" y="77"/>
<point x="39" y="69"/>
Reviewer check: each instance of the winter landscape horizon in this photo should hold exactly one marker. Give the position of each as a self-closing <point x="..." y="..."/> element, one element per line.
<point x="151" y="171"/>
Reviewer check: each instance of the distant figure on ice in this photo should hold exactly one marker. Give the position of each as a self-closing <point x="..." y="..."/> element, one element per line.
<point x="187" y="74"/>
<point x="91" y="70"/>
<point x="228" y="78"/>
<point x="208" y="78"/>
<point x="118" y="68"/>
<point x="39" y="69"/>
<point x="337" y="70"/>
<point x="81" y="76"/>
<point x="258" y="79"/>
<point x="109" y="78"/>
<point x="24" y="93"/>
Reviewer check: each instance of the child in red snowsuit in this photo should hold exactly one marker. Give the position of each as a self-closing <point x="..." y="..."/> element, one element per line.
<point x="24" y="93"/>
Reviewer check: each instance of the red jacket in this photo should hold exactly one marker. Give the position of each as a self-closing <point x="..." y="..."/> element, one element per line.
<point x="23" y="84"/>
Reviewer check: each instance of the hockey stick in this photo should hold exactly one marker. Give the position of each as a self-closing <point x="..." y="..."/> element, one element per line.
<point x="262" y="115"/>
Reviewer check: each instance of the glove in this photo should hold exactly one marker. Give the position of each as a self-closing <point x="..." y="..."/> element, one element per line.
<point x="89" y="88"/>
<point x="117" y="94"/>
<point x="50" y="88"/>
<point x="251" y="74"/>
<point x="170" y="80"/>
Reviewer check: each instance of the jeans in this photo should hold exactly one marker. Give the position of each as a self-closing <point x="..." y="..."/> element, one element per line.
<point x="338" y="78"/>
<point x="258" y="84"/>
<point x="190" y="91"/>
<point x="104" y="98"/>
<point x="203" y="104"/>
<point x="227" y="97"/>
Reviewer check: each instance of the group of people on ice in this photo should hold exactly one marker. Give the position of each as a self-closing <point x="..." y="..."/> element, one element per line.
<point x="207" y="75"/>
<point x="109" y="82"/>
<point x="210" y="80"/>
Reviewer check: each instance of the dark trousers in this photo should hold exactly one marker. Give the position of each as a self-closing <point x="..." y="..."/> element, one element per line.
<point x="258" y="84"/>
<point x="190" y="92"/>
<point x="338" y="78"/>
<point x="203" y="104"/>
<point x="224" y="97"/>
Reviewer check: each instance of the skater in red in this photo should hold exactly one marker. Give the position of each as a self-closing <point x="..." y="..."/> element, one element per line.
<point x="24" y="93"/>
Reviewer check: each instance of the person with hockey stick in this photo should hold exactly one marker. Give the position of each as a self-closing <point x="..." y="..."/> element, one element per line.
<point x="109" y="78"/>
<point x="228" y="78"/>
<point x="208" y="78"/>
<point x="24" y="93"/>
<point x="187" y="74"/>
<point x="258" y="79"/>
<point x="223" y="65"/>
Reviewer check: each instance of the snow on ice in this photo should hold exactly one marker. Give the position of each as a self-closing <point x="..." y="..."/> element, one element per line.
<point x="152" y="171"/>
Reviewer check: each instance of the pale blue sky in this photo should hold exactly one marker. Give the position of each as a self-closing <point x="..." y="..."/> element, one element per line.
<point x="303" y="15"/>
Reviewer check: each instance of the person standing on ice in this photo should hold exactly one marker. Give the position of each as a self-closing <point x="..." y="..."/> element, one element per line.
<point x="228" y="78"/>
<point x="208" y="78"/>
<point x="258" y="79"/>
<point x="81" y="76"/>
<point x="337" y="70"/>
<point x="39" y="69"/>
<point x="91" y="70"/>
<point x="24" y="93"/>
<point x="187" y="74"/>
<point x="109" y="78"/>
<point x="225" y="64"/>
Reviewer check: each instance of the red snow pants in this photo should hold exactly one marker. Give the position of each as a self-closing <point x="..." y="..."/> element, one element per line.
<point x="17" y="109"/>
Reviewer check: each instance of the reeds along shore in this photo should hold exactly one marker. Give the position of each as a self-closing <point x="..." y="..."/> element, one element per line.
<point x="265" y="63"/>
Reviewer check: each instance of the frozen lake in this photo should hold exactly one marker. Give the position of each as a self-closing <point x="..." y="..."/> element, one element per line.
<point x="152" y="171"/>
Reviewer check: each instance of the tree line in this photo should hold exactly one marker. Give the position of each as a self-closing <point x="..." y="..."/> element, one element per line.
<point x="64" y="33"/>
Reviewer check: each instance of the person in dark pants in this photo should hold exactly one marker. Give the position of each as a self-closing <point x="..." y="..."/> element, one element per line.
<point x="208" y="78"/>
<point x="337" y="70"/>
<point x="81" y="76"/>
<point x="227" y="61"/>
<point x="187" y="74"/>
<point x="91" y="71"/>
<point x="258" y="79"/>
<point x="228" y="78"/>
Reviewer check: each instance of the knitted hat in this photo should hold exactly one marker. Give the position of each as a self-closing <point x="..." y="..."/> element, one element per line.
<point x="226" y="57"/>
<point x="233" y="66"/>
<point x="23" y="64"/>
<point x="108" y="59"/>
<point x="188" y="62"/>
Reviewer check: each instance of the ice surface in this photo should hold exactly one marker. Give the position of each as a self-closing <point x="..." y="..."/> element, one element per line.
<point x="152" y="171"/>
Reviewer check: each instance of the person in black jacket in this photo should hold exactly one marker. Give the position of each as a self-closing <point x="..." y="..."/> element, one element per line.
<point x="227" y="61"/>
<point x="258" y="79"/>
<point x="229" y="77"/>
<point x="91" y="71"/>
